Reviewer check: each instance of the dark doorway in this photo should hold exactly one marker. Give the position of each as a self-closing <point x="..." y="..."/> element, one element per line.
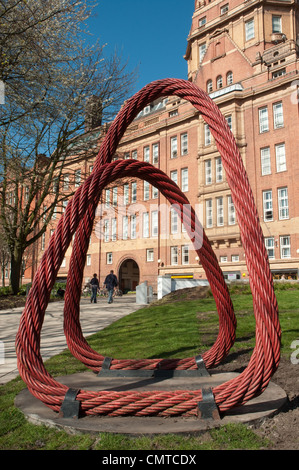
<point x="128" y="275"/>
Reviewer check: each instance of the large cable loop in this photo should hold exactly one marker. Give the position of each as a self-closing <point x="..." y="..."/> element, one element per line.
<point x="79" y="218"/>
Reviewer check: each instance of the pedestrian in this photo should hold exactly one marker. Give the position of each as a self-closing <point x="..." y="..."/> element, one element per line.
<point x="94" y="288"/>
<point x="60" y="293"/>
<point x="110" y="283"/>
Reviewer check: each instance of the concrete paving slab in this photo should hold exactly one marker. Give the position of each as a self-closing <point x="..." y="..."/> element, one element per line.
<point x="255" y="410"/>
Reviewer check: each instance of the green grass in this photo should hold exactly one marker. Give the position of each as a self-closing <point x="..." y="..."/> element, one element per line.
<point x="178" y="329"/>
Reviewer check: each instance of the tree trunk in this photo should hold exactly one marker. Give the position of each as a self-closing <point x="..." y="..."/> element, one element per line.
<point x="3" y="275"/>
<point x="15" y="273"/>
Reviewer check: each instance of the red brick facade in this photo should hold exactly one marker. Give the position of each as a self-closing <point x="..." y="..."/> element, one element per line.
<point x="244" y="54"/>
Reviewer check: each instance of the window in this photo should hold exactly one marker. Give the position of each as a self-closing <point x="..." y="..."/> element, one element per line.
<point x="219" y="172"/>
<point x="184" y="144"/>
<point x="106" y="230"/>
<point x="220" y="214"/>
<point x="185" y="179"/>
<point x="154" y="224"/>
<point x="266" y="161"/>
<point x="134" y="192"/>
<point x="229" y="78"/>
<point x="263" y="119"/>
<point x="207" y="135"/>
<point x="174" y="147"/>
<point x="114" y="196"/>
<point x="278" y="115"/>
<point x="134" y="155"/>
<point x="173" y="221"/>
<point x="26" y="196"/>
<point x="146" y="154"/>
<point x="185" y="255"/>
<point x="281" y="164"/>
<point x="109" y="258"/>
<point x="113" y="229"/>
<point x="202" y="22"/>
<point x="155" y="153"/>
<point x="219" y="82"/>
<point x="209" y="86"/>
<point x="279" y="73"/>
<point x="150" y="255"/>
<point x="229" y="121"/>
<point x="235" y="258"/>
<point x="125" y="227"/>
<point x="231" y="211"/>
<point x="146" y="190"/>
<point x="145" y="225"/>
<point x="283" y="204"/>
<point x="88" y="260"/>
<point x="126" y="194"/>
<point x="174" y="176"/>
<point x="223" y="259"/>
<point x="249" y="30"/>
<point x="224" y="9"/>
<point x="174" y="255"/>
<point x="66" y="181"/>
<point x="107" y="197"/>
<point x="77" y="178"/>
<point x="269" y="242"/>
<point x="133" y="227"/>
<point x="267" y="206"/>
<point x="43" y="241"/>
<point x="285" y="247"/>
<point x="209" y="213"/>
<point x="276" y="24"/>
<point x="64" y="204"/>
<point x="54" y="215"/>
<point x="202" y="51"/>
<point x="155" y="192"/>
<point x="208" y="171"/>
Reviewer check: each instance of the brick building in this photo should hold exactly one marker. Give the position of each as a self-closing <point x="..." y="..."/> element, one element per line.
<point x="245" y="55"/>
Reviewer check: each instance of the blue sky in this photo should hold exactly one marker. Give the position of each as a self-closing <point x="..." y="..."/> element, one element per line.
<point x="149" y="35"/>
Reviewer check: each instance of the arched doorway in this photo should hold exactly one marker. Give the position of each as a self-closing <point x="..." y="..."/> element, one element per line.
<point x="128" y="275"/>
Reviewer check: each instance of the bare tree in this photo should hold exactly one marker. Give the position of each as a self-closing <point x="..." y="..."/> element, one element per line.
<point x="59" y="92"/>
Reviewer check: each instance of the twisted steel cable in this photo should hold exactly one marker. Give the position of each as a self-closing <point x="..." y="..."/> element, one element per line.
<point x="80" y="215"/>
<point x="75" y="340"/>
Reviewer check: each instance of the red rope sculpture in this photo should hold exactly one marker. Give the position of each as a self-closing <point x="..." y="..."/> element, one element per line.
<point x="79" y="217"/>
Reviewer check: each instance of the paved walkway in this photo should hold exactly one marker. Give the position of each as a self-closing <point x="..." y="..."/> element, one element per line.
<point x="93" y="317"/>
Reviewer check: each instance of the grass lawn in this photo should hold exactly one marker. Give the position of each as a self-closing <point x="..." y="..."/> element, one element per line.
<point x="177" y="329"/>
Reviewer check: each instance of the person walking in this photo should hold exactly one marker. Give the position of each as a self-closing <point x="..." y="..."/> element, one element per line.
<point x="110" y="283"/>
<point x="94" y="288"/>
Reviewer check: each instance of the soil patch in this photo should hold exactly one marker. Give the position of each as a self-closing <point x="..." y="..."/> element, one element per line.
<point x="192" y="293"/>
<point x="8" y="302"/>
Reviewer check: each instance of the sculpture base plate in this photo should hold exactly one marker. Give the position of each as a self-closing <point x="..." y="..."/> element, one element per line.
<point x="257" y="409"/>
